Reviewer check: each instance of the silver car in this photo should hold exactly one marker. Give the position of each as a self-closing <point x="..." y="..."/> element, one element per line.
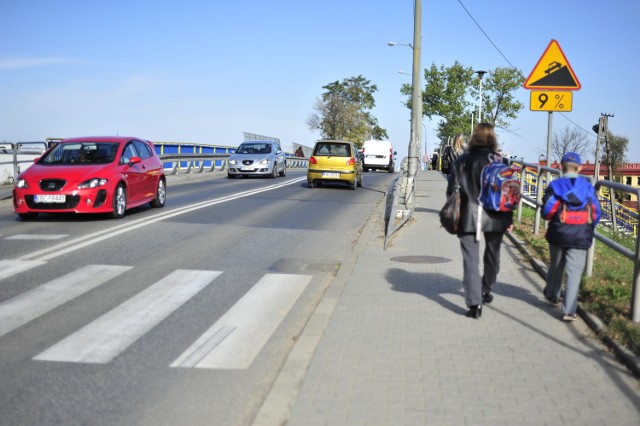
<point x="264" y="158"/>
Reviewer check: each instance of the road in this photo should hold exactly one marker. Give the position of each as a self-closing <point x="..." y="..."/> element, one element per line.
<point x="180" y="315"/>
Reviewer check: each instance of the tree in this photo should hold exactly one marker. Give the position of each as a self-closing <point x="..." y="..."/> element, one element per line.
<point x="446" y="96"/>
<point x="618" y="148"/>
<point x="344" y="111"/>
<point x="497" y="96"/>
<point x="335" y="118"/>
<point x="571" y="140"/>
<point x="451" y="93"/>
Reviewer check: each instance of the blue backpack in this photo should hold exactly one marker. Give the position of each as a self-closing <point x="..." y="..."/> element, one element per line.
<point x="500" y="190"/>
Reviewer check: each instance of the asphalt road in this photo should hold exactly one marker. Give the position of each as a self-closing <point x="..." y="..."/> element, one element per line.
<point x="180" y="315"/>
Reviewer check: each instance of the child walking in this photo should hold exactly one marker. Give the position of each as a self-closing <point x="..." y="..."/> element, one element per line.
<point x="572" y="208"/>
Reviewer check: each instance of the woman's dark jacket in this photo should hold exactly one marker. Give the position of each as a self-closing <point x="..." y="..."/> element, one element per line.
<point x="468" y="169"/>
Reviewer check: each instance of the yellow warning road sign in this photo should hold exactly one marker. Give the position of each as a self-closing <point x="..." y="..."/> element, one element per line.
<point x="549" y="100"/>
<point x="552" y="71"/>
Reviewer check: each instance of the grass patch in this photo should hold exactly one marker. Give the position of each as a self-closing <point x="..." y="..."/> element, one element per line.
<point x="607" y="293"/>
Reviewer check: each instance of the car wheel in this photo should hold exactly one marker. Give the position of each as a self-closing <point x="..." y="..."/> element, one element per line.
<point x="274" y="171"/>
<point x="161" y="195"/>
<point x="283" y="173"/>
<point x="119" y="202"/>
<point x="310" y="184"/>
<point x="230" y="176"/>
<point x="27" y="216"/>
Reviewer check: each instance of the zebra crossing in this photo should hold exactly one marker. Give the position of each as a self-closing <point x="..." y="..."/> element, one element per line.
<point x="232" y="342"/>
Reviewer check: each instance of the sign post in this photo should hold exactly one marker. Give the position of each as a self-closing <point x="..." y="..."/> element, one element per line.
<point x="551" y="82"/>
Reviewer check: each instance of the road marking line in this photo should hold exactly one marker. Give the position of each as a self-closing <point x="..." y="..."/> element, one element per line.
<point x="30" y="305"/>
<point x="108" y="336"/>
<point x="36" y="237"/>
<point x="238" y="336"/>
<point x="12" y="267"/>
<point x="87" y="240"/>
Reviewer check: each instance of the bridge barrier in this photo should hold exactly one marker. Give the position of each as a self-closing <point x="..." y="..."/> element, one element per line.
<point x="176" y="156"/>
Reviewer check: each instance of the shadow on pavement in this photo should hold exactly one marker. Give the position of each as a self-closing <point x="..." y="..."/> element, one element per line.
<point x="435" y="285"/>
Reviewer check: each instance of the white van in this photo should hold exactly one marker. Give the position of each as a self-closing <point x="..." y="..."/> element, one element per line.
<point x="378" y="155"/>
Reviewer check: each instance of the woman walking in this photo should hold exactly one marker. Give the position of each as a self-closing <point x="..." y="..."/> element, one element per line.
<point x="452" y="153"/>
<point x="466" y="170"/>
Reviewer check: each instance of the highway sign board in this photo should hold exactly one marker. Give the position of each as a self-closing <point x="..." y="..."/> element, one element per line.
<point x="550" y="100"/>
<point x="552" y="71"/>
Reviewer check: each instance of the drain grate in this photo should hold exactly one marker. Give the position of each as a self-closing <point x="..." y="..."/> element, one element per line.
<point x="421" y="259"/>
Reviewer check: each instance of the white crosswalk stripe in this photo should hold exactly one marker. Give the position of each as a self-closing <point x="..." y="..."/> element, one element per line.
<point x="9" y="268"/>
<point x="108" y="336"/>
<point x="233" y="342"/>
<point x="30" y="305"/>
<point x="36" y="237"/>
<point x="238" y="336"/>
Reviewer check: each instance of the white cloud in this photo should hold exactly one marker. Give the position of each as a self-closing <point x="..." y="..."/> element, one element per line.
<point x="23" y="63"/>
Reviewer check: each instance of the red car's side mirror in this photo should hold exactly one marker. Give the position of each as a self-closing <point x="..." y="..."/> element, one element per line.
<point x="135" y="160"/>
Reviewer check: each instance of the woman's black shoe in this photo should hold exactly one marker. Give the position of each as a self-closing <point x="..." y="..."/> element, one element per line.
<point x="474" y="311"/>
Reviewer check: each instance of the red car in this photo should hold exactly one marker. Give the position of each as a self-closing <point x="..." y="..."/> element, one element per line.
<point x="91" y="175"/>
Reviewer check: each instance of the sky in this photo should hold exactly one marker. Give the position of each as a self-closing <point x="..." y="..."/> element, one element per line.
<point x="207" y="71"/>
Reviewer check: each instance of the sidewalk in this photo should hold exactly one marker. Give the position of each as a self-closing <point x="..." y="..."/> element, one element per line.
<point x="390" y="345"/>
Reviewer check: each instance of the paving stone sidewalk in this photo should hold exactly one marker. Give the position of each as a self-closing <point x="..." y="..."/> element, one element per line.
<point x="398" y="350"/>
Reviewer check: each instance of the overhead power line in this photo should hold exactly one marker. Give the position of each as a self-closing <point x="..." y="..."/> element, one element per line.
<point x="484" y="32"/>
<point x="512" y="66"/>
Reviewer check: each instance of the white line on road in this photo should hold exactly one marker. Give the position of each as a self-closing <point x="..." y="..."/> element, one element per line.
<point x="36" y="237"/>
<point x="238" y="336"/>
<point x="87" y="240"/>
<point x="12" y="267"/>
<point x="108" y="336"/>
<point x="42" y="299"/>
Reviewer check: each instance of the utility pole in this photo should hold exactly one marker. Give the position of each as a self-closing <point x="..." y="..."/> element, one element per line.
<point x="598" y="129"/>
<point x="612" y="192"/>
<point x="480" y="75"/>
<point x="416" y="93"/>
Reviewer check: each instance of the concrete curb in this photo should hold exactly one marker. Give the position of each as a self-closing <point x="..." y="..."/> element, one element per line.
<point x="625" y="356"/>
<point x="278" y="404"/>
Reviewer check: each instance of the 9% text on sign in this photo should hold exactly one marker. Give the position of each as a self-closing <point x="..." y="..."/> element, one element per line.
<point x="551" y="100"/>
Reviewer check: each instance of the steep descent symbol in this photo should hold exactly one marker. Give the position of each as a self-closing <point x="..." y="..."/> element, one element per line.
<point x="552" y="71"/>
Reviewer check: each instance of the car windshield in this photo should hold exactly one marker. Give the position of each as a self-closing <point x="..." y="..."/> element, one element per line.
<point x="254" y="148"/>
<point x="332" y="149"/>
<point x="78" y="153"/>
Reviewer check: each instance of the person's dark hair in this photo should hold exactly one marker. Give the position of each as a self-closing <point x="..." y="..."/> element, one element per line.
<point x="484" y="136"/>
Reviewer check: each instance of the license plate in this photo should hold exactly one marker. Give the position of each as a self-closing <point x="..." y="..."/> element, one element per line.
<point x="49" y="198"/>
<point x="247" y="168"/>
<point x="330" y="175"/>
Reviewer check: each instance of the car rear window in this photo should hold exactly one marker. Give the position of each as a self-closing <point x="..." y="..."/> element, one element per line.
<point x="81" y="153"/>
<point x="333" y="149"/>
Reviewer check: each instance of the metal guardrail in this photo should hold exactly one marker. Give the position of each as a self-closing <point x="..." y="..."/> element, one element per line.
<point x="21" y="148"/>
<point x="196" y="163"/>
<point x="542" y="182"/>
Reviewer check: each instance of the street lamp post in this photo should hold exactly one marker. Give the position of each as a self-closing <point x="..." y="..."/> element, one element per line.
<point x="480" y="75"/>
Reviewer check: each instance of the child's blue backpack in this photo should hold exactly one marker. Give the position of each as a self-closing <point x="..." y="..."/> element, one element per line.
<point x="500" y="190"/>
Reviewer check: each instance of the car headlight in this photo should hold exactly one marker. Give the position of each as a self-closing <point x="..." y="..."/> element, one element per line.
<point x="92" y="183"/>
<point x="21" y="183"/>
<point x="263" y="162"/>
<point x="232" y="161"/>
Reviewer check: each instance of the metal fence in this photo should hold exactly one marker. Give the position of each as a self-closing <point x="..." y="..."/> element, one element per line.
<point x="176" y="156"/>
